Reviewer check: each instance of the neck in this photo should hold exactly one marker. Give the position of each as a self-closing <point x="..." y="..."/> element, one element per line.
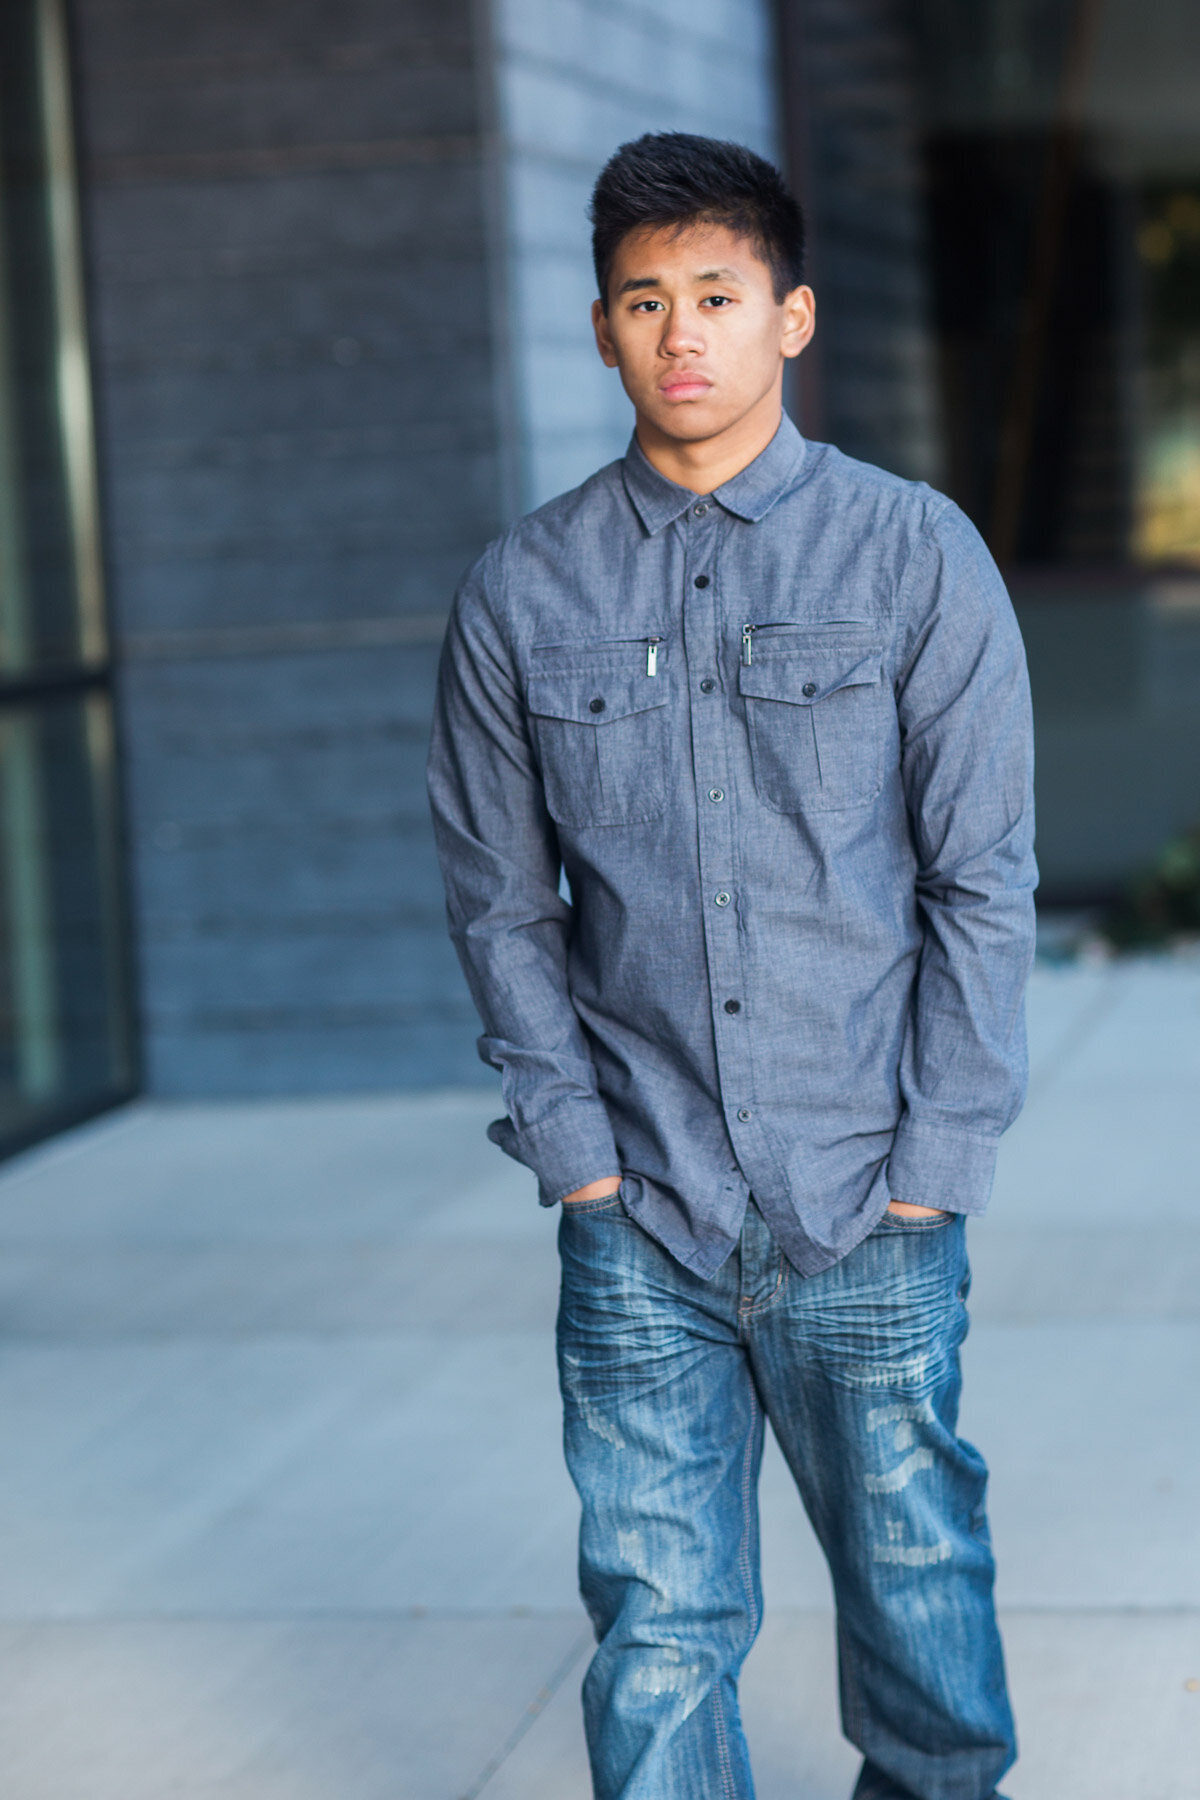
<point x="703" y="464"/>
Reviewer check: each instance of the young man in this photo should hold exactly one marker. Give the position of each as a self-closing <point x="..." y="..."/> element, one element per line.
<point x="767" y="708"/>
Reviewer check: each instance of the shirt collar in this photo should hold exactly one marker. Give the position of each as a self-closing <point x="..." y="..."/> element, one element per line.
<point x="750" y="494"/>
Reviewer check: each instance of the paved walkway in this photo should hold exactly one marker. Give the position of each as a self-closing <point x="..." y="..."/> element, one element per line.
<point x="282" y="1509"/>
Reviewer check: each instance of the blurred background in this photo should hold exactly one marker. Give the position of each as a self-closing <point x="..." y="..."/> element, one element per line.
<point x="294" y="316"/>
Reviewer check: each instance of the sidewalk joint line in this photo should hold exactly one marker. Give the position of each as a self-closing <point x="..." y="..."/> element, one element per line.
<point x="530" y="1716"/>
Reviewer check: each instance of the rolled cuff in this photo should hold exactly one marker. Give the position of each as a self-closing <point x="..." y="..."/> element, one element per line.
<point x="933" y="1165"/>
<point x="568" y="1149"/>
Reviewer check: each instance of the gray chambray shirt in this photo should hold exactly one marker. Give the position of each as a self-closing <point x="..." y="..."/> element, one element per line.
<point x="779" y="740"/>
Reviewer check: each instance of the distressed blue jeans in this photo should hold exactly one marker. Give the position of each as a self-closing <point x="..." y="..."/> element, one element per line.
<point x="666" y="1379"/>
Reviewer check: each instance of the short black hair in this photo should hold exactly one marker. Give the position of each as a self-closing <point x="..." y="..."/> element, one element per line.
<point x="675" y="178"/>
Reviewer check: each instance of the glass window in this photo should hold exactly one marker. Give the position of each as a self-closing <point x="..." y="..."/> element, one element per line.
<point x="1167" y="522"/>
<point x="65" y="1043"/>
<point x="1060" y="157"/>
<point x="1062" y="148"/>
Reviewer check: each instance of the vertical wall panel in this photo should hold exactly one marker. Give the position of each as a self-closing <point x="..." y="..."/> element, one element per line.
<point x="340" y="287"/>
<point x="294" y="359"/>
<point x="575" y="79"/>
<point x="850" y="88"/>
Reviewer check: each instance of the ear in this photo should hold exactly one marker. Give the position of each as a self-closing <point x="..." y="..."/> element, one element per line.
<point x="604" y="342"/>
<point x="799" y="320"/>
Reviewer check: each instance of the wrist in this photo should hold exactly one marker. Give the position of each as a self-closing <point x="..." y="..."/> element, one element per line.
<point x="594" y="1190"/>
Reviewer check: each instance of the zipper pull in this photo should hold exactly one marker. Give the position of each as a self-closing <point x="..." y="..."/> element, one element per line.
<point x="652" y="655"/>
<point x="747" y="644"/>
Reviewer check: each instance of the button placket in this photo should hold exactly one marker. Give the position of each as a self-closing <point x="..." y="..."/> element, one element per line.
<point x="714" y="822"/>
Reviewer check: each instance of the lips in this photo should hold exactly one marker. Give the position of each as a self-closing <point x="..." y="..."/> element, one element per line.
<point x="683" y="386"/>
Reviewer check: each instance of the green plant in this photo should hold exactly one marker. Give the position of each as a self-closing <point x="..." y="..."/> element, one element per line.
<point x="1162" y="902"/>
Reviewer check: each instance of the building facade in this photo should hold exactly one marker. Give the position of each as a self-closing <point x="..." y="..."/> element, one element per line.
<point x="294" y="317"/>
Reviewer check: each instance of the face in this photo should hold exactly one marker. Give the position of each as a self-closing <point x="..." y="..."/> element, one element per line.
<point x="695" y="329"/>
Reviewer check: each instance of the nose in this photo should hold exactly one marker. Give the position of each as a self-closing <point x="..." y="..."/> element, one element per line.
<point x="682" y="335"/>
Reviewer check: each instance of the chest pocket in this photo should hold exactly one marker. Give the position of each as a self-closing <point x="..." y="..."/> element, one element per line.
<point x="601" y="734"/>
<point x="817" y="714"/>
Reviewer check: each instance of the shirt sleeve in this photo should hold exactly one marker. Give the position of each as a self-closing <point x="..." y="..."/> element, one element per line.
<point x="967" y="763"/>
<point x="500" y="864"/>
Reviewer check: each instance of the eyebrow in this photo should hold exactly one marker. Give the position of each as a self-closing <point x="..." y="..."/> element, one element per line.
<point x="637" y="282"/>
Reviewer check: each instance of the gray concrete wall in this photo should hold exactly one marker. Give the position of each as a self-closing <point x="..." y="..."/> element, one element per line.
<point x="340" y="288"/>
<point x="295" y="364"/>
<point x="575" y="78"/>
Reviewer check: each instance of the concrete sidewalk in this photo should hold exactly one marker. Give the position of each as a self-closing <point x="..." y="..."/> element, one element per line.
<point x="281" y="1499"/>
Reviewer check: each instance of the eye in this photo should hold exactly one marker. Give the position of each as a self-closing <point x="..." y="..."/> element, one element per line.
<point x="647" y="306"/>
<point x="715" y="300"/>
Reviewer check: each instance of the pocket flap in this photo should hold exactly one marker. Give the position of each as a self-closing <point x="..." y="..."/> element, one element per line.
<point x="595" y="697"/>
<point x="807" y="674"/>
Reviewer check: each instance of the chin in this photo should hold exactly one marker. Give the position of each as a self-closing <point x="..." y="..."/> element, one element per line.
<point x="690" y="422"/>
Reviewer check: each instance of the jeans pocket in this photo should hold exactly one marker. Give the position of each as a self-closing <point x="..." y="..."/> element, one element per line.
<point x="606" y="1203"/>
<point x="898" y="1222"/>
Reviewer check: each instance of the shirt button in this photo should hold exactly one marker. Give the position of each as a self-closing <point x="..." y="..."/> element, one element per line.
<point x="809" y="688"/>
<point x="707" y="685"/>
<point x="596" y="705"/>
<point x="701" y="509"/>
<point x="716" y="794"/>
<point x="733" y="1006"/>
<point x="721" y="899"/>
<point x="744" y="1114"/>
<point x="701" y="581"/>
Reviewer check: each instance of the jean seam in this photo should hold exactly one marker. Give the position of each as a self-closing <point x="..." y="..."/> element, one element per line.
<point x="747" y="1497"/>
<point x="854" y="1713"/>
<point x="723" y="1757"/>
